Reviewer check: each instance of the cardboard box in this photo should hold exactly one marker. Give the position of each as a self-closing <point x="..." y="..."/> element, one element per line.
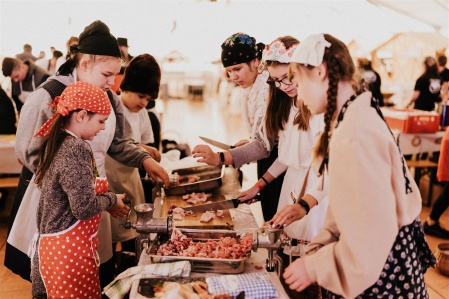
<point x="412" y="120"/>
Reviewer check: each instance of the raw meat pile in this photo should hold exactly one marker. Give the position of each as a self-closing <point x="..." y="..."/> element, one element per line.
<point x="195" y="198"/>
<point x="225" y="248"/>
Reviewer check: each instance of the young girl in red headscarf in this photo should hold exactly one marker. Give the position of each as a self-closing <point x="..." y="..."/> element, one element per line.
<point x="73" y="196"/>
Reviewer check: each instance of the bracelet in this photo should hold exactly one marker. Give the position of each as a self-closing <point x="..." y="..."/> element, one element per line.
<point x="304" y="204"/>
<point x="222" y="157"/>
<point x="265" y="180"/>
<point x="258" y="186"/>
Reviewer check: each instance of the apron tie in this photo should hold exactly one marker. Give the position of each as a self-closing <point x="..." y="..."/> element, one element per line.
<point x="32" y="248"/>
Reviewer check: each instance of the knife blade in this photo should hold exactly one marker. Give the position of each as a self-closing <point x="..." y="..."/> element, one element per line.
<point x="213" y="206"/>
<point x="218" y="144"/>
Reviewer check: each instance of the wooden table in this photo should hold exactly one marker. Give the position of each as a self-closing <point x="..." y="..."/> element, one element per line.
<point x="8" y="159"/>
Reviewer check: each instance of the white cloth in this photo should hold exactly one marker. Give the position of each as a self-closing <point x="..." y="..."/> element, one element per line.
<point x="253" y="104"/>
<point x="295" y="151"/>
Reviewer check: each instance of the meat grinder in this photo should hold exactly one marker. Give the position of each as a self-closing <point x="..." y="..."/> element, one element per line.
<point x="146" y="224"/>
<point x="272" y="239"/>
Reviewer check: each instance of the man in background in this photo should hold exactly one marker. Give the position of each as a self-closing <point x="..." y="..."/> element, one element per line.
<point x="27" y="53"/>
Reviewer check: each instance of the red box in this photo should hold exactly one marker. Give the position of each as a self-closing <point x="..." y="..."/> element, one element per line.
<point x="412" y="120"/>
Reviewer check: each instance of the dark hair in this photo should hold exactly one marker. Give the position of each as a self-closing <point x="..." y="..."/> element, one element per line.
<point x="279" y="103"/>
<point x="340" y="66"/>
<point x="51" y="144"/>
<point x="9" y="64"/>
<point x="430" y="68"/>
<point x="442" y="60"/>
<point x="142" y="75"/>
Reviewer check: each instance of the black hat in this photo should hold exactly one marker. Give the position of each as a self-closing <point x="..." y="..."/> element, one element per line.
<point x="122" y="41"/>
<point x="96" y="39"/>
<point x="240" y="48"/>
<point x="142" y="75"/>
<point x="8" y="66"/>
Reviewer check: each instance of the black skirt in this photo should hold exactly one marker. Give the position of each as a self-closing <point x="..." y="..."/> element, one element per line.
<point x="403" y="273"/>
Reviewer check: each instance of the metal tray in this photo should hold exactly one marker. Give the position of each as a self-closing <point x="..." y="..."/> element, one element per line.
<point x="210" y="178"/>
<point x="203" y="264"/>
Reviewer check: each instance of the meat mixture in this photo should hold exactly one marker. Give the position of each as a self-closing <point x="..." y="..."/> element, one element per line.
<point x="224" y="248"/>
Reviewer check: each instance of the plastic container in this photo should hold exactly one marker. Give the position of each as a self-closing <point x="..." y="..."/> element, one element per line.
<point x="412" y="120"/>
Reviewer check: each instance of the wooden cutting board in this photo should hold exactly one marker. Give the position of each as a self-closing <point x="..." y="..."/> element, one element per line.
<point x="193" y="220"/>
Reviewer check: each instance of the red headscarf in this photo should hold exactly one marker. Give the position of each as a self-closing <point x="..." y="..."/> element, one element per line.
<point x="78" y="95"/>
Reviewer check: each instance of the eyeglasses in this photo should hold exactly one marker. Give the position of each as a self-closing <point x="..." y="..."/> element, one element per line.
<point x="277" y="83"/>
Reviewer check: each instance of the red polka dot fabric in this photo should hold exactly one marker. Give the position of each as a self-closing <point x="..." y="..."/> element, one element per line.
<point x="69" y="261"/>
<point x="78" y="95"/>
<point x="101" y="185"/>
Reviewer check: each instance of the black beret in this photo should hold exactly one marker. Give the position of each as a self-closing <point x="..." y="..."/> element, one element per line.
<point x="96" y="39"/>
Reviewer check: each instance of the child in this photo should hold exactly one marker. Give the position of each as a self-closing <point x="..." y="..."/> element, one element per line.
<point x="95" y="59"/>
<point x="73" y="196"/>
<point x="140" y="84"/>
<point x="297" y="130"/>
<point x="241" y="58"/>
<point x="372" y="243"/>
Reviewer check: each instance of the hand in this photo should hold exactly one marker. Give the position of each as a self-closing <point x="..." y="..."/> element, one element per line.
<point x="156" y="171"/>
<point x="154" y="153"/>
<point x="119" y="210"/>
<point x="241" y="142"/>
<point x="206" y="155"/>
<point x="296" y="275"/>
<point x="249" y="194"/>
<point x="287" y="215"/>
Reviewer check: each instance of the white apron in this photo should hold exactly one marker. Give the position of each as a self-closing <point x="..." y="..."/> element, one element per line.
<point x="295" y="151"/>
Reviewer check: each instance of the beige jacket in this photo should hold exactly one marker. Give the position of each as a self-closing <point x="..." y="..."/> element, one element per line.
<point x="367" y="203"/>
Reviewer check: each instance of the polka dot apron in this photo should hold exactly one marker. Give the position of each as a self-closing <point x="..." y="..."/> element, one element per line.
<point x="69" y="261"/>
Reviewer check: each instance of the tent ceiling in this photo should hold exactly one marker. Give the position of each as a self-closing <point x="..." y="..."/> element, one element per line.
<point x="432" y="12"/>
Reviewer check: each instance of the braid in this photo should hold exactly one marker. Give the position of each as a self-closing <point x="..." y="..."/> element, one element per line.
<point x="321" y="149"/>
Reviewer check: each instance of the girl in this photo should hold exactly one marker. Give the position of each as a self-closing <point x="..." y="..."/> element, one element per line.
<point x="427" y="87"/>
<point x="95" y="59"/>
<point x="372" y="244"/>
<point x="297" y="130"/>
<point x="72" y="197"/>
<point x="241" y="58"/>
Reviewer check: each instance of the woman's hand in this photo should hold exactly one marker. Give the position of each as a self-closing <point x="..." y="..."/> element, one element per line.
<point x="206" y="155"/>
<point x="287" y="215"/>
<point x="241" y="142"/>
<point x="119" y="210"/>
<point x="156" y="171"/>
<point x="296" y="275"/>
<point x="249" y="194"/>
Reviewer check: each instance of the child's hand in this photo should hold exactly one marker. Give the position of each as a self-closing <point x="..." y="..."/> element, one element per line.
<point x="248" y="194"/>
<point x="119" y="210"/>
<point x="296" y="275"/>
<point x="206" y="155"/>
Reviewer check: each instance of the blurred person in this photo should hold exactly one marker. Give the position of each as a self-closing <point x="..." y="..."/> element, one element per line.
<point x="27" y="53"/>
<point x="302" y="206"/>
<point x="372" y="244"/>
<point x="123" y="43"/>
<point x="372" y="79"/>
<point x="427" y="87"/>
<point x="72" y="41"/>
<point x="240" y="57"/>
<point x="49" y="64"/>
<point x="41" y="55"/>
<point x="444" y="74"/>
<point x="26" y="76"/>
<point x="431" y="224"/>
<point x="96" y="59"/>
<point x="73" y="196"/>
<point x="139" y="86"/>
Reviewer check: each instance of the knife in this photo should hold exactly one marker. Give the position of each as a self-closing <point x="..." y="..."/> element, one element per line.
<point x="218" y="144"/>
<point x="213" y="206"/>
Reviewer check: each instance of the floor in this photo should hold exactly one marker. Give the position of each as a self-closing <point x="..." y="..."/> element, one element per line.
<point x="183" y="121"/>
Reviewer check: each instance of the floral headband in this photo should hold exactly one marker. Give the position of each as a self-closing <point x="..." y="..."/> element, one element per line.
<point x="276" y="51"/>
<point x="311" y="50"/>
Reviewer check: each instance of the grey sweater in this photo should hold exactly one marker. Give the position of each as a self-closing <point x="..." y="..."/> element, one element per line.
<point x="67" y="196"/>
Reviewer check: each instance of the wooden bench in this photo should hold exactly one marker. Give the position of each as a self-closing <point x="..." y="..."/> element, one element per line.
<point x="9" y="182"/>
<point x="421" y="168"/>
